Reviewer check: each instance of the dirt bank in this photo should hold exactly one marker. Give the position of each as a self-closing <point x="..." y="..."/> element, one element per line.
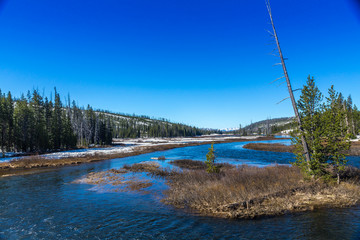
<point x="253" y="192"/>
<point x="273" y="147"/>
<point x="277" y="147"/>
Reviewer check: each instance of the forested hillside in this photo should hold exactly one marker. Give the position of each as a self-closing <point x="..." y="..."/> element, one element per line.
<point x="276" y="125"/>
<point x="269" y="126"/>
<point x="34" y="123"/>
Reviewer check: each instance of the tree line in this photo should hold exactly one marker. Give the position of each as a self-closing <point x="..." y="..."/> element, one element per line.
<point x="34" y="123"/>
<point x="328" y="125"/>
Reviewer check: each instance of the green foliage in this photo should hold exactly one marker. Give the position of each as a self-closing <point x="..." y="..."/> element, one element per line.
<point x="310" y="111"/>
<point x="325" y="129"/>
<point x="337" y="135"/>
<point x="37" y="124"/>
<point x="210" y="161"/>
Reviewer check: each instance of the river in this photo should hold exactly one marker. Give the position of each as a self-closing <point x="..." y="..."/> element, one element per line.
<point x="48" y="205"/>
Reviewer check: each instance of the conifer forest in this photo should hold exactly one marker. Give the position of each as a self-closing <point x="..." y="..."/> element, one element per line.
<point x="34" y="123"/>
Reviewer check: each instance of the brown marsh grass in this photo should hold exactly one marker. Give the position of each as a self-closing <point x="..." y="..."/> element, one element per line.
<point x="21" y="165"/>
<point x="116" y="179"/>
<point x="274" y="147"/>
<point x="277" y="147"/>
<point x="249" y="192"/>
<point x="238" y="192"/>
<point x="195" y="164"/>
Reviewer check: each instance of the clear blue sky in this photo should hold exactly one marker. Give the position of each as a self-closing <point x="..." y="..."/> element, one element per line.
<point x="200" y="62"/>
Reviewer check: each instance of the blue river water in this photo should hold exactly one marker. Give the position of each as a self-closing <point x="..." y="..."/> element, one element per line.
<point x="48" y="205"/>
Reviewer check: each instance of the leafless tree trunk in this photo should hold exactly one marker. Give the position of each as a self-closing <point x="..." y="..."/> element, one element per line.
<point x="291" y="94"/>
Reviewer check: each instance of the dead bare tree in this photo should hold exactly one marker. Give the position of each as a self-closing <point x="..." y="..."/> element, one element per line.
<point x="291" y="92"/>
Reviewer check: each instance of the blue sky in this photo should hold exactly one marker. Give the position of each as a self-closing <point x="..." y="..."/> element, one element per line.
<point x="199" y="62"/>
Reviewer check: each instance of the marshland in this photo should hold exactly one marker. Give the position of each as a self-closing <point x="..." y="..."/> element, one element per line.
<point x="179" y="119"/>
<point x="145" y="198"/>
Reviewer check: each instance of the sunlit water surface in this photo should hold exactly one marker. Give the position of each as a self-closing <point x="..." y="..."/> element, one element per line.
<point x="49" y="206"/>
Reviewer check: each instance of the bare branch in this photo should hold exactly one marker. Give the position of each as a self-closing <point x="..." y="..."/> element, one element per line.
<point x="277" y="79"/>
<point x="281" y="83"/>
<point x="283" y="100"/>
<point x="291" y="94"/>
<point x="271" y="34"/>
<point x="272" y="54"/>
<point x="277" y="64"/>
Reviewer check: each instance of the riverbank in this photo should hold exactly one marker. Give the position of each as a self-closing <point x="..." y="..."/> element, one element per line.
<point x="277" y="147"/>
<point x="253" y="192"/>
<point x="133" y="147"/>
<point x="236" y="191"/>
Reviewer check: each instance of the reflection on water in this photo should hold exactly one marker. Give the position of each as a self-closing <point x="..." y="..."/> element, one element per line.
<point x="49" y="206"/>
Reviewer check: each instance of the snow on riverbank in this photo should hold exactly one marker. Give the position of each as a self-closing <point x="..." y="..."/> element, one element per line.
<point x="129" y="145"/>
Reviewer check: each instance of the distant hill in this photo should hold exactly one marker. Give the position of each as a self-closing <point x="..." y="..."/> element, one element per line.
<point x="267" y="126"/>
<point x="132" y="126"/>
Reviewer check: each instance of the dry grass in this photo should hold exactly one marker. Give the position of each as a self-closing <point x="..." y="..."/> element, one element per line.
<point x="277" y="147"/>
<point x="249" y="192"/>
<point x="143" y="167"/>
<point x="194" y="164"/>
<point x="138" y="185"/>
<point x="354" y="149"/>
<point x="22" y="165"/>
<point x="189" y="164"/>
<point x="273" y="147"/>
<point x="152" y="168"/>
<point x="237" y="192"/>
<point x="115" y="178"/>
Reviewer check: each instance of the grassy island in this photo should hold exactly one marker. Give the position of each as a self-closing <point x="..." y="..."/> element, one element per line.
<point x="239" y="191"/>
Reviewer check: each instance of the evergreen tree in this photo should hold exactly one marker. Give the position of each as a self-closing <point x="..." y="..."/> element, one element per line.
<point x="210" y="161"/>
<point x="336" y="136"/>
<point x="38" y="131"/>
<point x="310" y="111"/>
<point x="23" y="122"/>
<point x="56" y="122"/>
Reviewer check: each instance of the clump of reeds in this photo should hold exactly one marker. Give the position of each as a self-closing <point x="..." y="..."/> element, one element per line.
<point x="115" y="178"/>
<point x="142" y="167"/>
<point x="194" y="164"/>
<point x="189" y="164"/>
<point x="248" y="192"/>
<point x="274" y="147"/>
<point x="152" y="168"/>
<point x="111" y="177"/>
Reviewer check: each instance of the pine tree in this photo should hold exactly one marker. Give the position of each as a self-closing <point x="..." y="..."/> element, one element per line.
<point x="39" y="133"/>
<point x="310" y="112"/>
<point x="56" y="122"/>
<point x="3" y="123"/>
<point x="210" y="161"/>
<point x="23" y="122"/>
<point x="337" y="137"/>
<point x="10" y="119"/>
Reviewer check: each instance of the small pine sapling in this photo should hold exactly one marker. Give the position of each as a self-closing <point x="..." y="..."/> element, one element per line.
<point x="210" y="161"/>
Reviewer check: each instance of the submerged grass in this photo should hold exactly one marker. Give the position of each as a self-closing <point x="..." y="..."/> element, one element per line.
<point x="116" y="179"/>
